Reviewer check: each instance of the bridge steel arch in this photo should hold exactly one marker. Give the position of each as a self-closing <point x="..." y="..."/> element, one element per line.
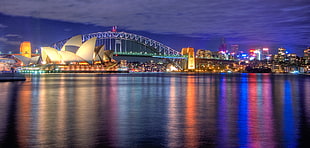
<point x="160" y="48"/>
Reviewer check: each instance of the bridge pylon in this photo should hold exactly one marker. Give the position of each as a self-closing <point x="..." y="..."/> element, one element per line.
<point x="189" y="63"/>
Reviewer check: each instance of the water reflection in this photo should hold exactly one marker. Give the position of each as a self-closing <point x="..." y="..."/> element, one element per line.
<point x="4" y="107"/>
<point x="23" y="112"/>
<point x="266" y="114"/>
<point x="223" y="113"/>
<point x="253" y="120"/>
<point x="159" y="110"/>
<point x="289" y="121"/>
<point x="305" y="99"/>
<point x="191" y="130"/>
<point x="243" y="113"/>
<point x="174" y="133"/>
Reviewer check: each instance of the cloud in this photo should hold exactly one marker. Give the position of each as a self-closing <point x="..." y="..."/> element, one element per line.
<point x="13" y="36"/>
<point x="3" y="26"/>
<point x="67" y="29"/>
<point x="262" y="20"/>
<point x="9" y="42"/>
<point x="10" y="39"/>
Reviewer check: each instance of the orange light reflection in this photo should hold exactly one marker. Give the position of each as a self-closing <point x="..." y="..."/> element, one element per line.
<point x="190" y="115"/>
<point x="23" y="111"/>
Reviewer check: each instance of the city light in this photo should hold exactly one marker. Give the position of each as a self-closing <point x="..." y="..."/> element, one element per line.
<point x="87" y="56"/>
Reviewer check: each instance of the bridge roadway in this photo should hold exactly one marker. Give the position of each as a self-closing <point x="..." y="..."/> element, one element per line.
<point x="154" y="55"/>
<point x="199" y="60"/>
<point x="204" y="60"/>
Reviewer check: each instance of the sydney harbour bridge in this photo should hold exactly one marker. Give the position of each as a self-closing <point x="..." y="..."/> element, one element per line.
<point x="123" y="43"/>
<point x="129" y="44"/>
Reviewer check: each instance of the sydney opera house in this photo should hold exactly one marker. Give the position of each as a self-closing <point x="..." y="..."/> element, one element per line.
<point x="73" y="56"/>
<point x="76" y="51"/>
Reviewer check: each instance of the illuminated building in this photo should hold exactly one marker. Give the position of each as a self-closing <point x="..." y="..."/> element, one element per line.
<point x="307" y="52"/>
<point x="76" y="51"/>
<point x="25" y="57"/>
<point x="204" y="53"/>
<point x="281" y="54"/>
<point x="255" y="54"/>
<point x="73" y="51"/>
<point x="223" y="46"/>
<point x="258" y="54"/>
<point x="243" y="56"/>
<point x="252" y="54"/>
<point x="85" y="52"/>
<point x="265" y="54"/>
<point x="27" y="61"/>
<point x="123" y="65"/>
<point x="265" y="51"/>
<point x="234" y="49"/>
<point x="200" y="53"/>
<point x="25" y="49"/>
<point x="281" y="51"/>
<point x="5" y="67"/>
<point x="189" y="52"/>
<point x="222" y="55"/>
<point x="72" y="44"/>
<point x="292" y="58"/>
<point x="307" y="55"/>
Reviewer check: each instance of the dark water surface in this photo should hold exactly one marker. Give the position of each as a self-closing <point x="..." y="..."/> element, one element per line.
<point x="156" y="110"/>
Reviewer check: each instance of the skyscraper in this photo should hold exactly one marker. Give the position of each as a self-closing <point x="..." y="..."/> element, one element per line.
<point x="223" y="46"/>
<point x="234" y="49"/>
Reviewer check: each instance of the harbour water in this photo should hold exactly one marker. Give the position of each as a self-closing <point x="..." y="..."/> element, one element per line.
<point x="156" y="110"/>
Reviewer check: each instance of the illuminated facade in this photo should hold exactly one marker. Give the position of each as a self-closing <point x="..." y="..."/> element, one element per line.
<point x="76" y="51"/>
<point x="204" y="54"/>
<point x="223" y="46"/>
<point x="27" y="61"/>
<point x="281" y="51"/>
<point x="307" y="55"/>
<point x="72" y="44"/>
<point x="292" y="58"/>
<point x="234" y="49"/>
<point x="190" y="53"/>
<point x="265" y="54"/>
<point x="25" y="49"/>
<point x="73" y="51"/>
<point x="281" y="55"/>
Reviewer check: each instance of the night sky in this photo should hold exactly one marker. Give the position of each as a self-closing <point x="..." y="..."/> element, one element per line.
<point x="194" y="23"/>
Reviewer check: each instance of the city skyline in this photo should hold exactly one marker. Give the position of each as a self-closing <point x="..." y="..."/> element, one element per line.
<point x="197" y="24"/>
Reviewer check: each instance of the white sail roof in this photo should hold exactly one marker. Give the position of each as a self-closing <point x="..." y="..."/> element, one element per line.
<point x="74" y="41"/>
<point x="50" y="53"/>
<point x="24" y="59"/>
<point x="86" y="51"/>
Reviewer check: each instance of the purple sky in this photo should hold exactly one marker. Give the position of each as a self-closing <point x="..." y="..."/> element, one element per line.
<point x="197" y="23"/>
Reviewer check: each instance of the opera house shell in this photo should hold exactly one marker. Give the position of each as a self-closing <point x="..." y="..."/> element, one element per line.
<point x="72" y="51"/>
